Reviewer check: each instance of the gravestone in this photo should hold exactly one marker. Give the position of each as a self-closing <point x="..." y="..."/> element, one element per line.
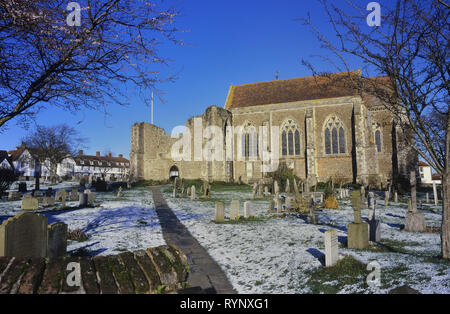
<point x="23" y="187"/>
<point x="260" y="193"/>
<point x="289" y="202"/>
<point x="73" y="196"/>
<point x="278" y="205"/>
<point x="414" y="221"/>
<point x="358" y="231"/>
<point x="120" y="192"/>
<point x="48" y="201"/>
<point x="57" y="240"/>
<point x="83" y="200"/>
<point x="254" y="190"/>
<point x="276" y="188"/>
<point x="386" y="198"/>
<point x="296" y="189"/>
<point x="271" y="205"/>
<point x="193" y="193"/>
<point x="24" y="235"/>
<point x="331" y="248"/>
<point x="13" y="196"/>
<point x="266" y="191"/>
<point x="219" y="212"/>
<point x="63" y="198"/>
<point x="396" y="197"/>
<point x="235" y="209"/>
<point x="312" y="217"/>
<point x="30" y="203"/>
<point x="288" y="187"/>
<point x="427" y="198"/>
<point x="374" y="224"/>
<point x="58" y="195"/>
<point x="247" y="209"/>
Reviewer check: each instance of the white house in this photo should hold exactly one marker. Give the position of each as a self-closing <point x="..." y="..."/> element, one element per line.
<point x="427" y="176"/>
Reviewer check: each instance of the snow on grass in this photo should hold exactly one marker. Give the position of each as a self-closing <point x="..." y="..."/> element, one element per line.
<point x="277" y="255"/>
<point x="116" y="226"/>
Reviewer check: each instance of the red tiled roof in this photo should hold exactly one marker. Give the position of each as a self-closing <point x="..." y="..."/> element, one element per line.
<point x="291" y="90"/>
<point x="15" y="154"/>
<point x="422" y="164"/>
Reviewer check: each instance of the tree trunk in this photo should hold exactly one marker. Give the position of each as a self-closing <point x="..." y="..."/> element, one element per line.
<point x="445" y="228"/>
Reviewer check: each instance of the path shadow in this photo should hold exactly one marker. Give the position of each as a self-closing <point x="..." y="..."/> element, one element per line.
<point x="399" y="226"/>
<point x="317" y="254"/>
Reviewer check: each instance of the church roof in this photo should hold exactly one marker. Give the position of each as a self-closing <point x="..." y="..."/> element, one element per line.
<point x="290" y="90"/>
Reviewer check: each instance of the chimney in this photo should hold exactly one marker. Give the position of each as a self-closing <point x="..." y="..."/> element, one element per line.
<point x="97" y="154"/>
<point x="80" y="152"/>
<point x="120" y="156"/>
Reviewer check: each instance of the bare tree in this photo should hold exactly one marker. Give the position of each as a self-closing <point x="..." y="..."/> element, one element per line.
<point x="409" y="54"/>
<point x="51" y="145"/>
<point x="46" y="61"/>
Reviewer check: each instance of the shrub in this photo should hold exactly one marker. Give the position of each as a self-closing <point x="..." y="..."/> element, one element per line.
<point x="77" y="235"/>
<point x="282" y="174"/>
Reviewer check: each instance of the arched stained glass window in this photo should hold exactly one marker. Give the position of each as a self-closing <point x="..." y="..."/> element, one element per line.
<point x="334" y="136"/>
<point x="327" y="141"/>
<point x="284" y="143"/>
<point x="290" y="138"/>
<point x="378" y="136"/>
<point x="297" y="142"/>
<point x="249" y="141"/>
<point x="341" y="140"/>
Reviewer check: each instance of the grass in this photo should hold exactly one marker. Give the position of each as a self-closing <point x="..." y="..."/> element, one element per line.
<point x="241" y="220"/>
<point x="331" y="280"/>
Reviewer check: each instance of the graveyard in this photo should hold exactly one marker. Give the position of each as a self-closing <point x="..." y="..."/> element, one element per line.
<point x="261" y="245"/>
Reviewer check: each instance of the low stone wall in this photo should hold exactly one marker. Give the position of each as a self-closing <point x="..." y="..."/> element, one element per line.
<point x="156" y="270"/>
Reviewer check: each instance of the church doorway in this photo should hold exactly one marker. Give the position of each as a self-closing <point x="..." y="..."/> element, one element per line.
<point x="173" y="173"/>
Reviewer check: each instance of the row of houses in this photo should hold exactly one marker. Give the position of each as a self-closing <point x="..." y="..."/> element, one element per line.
<point x="107" y="166"/>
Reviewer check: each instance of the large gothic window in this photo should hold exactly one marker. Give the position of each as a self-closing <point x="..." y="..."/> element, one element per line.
<point x="378" y="143"/>
<point x="334" y="135"/>
<point x="249" y="141"/>
<point x="290" y="138"/>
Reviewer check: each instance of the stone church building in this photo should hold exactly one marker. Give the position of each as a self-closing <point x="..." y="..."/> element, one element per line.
<point x="325" y="130"/>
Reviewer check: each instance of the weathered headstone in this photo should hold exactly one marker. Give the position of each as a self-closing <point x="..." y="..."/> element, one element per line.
<point x="193" y="193"/>
<point x="396" y="197"/>
<point x="278" y="205"/>
<point x="83" y="199"/>
<point x="73" y="196"/>
<point x="57" y="240"/>
<point x="271" y="205"/>
<point x="63" y="198"/>
<point x="48" y="201"/>
<point x="24" y="235"/>
<point x="235" y="209"/>
<point x="219" y="212"/>
<point x="386" y="198"/>
<point x="312" y="218"/>
<point x="296" y="189"/>
<point x="276" y="188"/>
<point x="247" y="209"/>
<point x="427" y="197"/>
<point x="358" y="231"/>
<point x="13" y="196"/>
<point x="288" y="187"/>
<point x="331" y="248"/>
<point x="30" y="203"/>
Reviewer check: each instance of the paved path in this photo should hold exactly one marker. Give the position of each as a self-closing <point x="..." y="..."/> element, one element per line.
<point x="204" y="271"/>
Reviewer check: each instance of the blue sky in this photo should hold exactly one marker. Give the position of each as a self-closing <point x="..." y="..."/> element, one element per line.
<point x="228" y="42"/>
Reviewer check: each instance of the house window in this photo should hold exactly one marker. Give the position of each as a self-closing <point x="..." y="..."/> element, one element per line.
<point x="334" y="135"/>
<point x="290" y="138"/>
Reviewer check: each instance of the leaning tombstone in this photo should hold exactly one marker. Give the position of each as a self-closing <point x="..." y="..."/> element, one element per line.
<point x="219" y="212"/>
<point x="331" y="248"/>
<point x="13" y="196"/>
<point x="30" y="203"/>
<point x="247" y="210"/>
<point x="24" y="235"/>
<point x="358" y="231"/>
<point x="57" y="240"/>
